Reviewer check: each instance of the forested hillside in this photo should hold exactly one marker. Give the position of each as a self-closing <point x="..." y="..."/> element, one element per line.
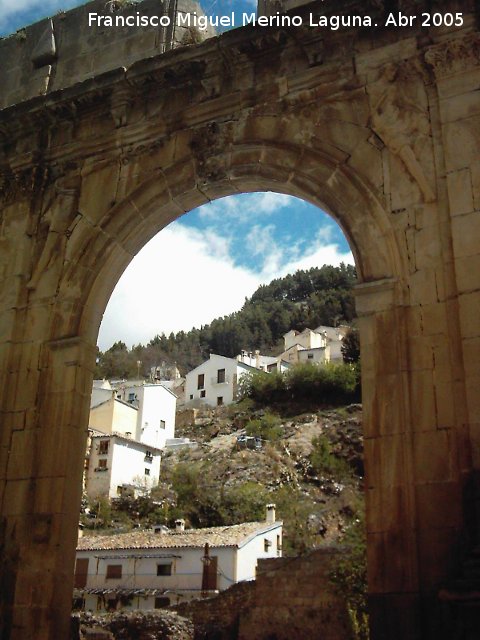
<point x="304" y="299"/>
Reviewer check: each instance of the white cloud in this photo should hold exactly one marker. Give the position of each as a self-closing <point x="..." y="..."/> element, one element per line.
<point x="185" y="278"/>
<point x="248" y="207"/>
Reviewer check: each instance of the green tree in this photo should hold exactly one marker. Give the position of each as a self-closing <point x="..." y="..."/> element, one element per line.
<point x="351" y="346"/>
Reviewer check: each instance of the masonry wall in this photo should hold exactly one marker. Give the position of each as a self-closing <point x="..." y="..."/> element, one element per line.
<point x="58" y="52"/>
<point x="291" y="598"/>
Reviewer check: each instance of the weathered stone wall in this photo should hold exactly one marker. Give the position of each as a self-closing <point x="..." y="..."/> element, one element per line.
<point x="379" y="127"/>
<point x="291" y="598"/>
<point x="58" y="52"/>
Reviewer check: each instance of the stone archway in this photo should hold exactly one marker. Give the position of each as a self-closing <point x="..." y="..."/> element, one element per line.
<point x="369" y="133"/>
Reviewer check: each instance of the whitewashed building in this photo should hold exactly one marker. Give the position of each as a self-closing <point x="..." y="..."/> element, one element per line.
<point x="155" y="405"/>
<point x="215" y="381"/>
<point x="118" y="465"/>
<point x="305" y="346"/>
<point x="152" y="569"/>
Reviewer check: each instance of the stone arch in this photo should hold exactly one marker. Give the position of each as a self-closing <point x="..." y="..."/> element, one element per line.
<point x="153" y="203"/>
<point x="368" y="128"/>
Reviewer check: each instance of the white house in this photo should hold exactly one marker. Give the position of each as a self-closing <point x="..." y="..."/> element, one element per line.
<point x="152" y="569"/>
<point x="215" y="381"/>
<point x="109" y="414"/>
<point x="118" y="465"/>
<point x="305" y="346"/>
<point x="156" y="406"/>
<point x="334" y="337"/>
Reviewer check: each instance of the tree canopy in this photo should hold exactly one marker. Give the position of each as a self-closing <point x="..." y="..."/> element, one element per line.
<point x="317" y="296"/>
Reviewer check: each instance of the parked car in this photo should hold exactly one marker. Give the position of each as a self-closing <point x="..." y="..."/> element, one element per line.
<point x="249" y="442"/>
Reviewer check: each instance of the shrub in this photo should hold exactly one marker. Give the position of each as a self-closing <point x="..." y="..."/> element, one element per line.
<point x="263" y="387"/>
<point x="244" y="503"/>
<point x="330" y="384"/>
<point x="324" y="461"/>
<point x="266" y="427"/>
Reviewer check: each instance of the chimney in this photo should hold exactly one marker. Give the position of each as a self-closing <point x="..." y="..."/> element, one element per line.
<point x="179" y="525"/>
<point x="270" y="513"/>
<point x="257" y="359"/>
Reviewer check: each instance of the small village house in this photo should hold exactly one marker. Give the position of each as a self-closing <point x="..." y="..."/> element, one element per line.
<point x="215" y="381"/>
<point x="117" y="465"/>
<point x="152" y="569"/>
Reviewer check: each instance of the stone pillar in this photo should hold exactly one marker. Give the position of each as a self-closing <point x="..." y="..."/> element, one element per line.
<point x="411" y="470"/>
<point x="44" y="420"/>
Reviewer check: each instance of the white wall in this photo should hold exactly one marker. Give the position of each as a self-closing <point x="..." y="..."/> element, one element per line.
<point x="213" y="389"/>
<point x="249" y="554"/>
<point x="126" y="465"/>
<point x="138" y="571"/>
<point x="157" y="405"/>
<point x="314" y="356"/>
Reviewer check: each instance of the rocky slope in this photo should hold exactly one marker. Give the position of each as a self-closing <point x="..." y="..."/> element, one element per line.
<point x="312" y="467"/>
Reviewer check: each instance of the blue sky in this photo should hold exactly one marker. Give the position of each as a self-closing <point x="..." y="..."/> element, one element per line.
<point x="15" y="14"/>
<point x="206" y="263"/>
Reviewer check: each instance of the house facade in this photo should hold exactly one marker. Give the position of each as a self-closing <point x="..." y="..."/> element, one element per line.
<point x="215" y="381"/>
<point x="152" y="569"/>
<point x="156" y="407"/>
<point x="117" y="465"/>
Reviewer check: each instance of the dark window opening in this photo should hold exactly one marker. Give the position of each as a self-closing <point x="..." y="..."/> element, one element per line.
<point x="103" y="447"/>
<point x="219" y="401"/>
<point x="114" y="571"/>
<point x="161" y="602"/>
<point x="164" y="569"/>
<point x="221" y="375"/>
<point x="201" y="381"/>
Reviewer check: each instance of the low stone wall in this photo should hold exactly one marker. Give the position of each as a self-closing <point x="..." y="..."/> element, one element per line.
<point x="132" y="625"/>
<point x="291" y="598"/>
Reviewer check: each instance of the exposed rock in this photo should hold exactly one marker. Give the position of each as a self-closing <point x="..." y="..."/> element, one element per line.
<point x="134" y="625"/>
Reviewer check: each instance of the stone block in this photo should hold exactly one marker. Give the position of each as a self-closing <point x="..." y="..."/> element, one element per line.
<point x="460" y="107"/>
<point x="461" y="143"/>
<point x="465" y="234"/>
<point x="428" y="498"/>
<point x="467" y="270"/>
<point x="469" y="314"/>
<point x="439" y="553"/>
<point x="460" y="194"/>
<point x="475" y="175"/>
<point x="473" y="397"/>
<point x="435" y="456"/>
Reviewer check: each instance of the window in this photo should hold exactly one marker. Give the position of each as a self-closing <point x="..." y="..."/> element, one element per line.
<point x="266" y="544"/>
<point x="102" y="465"/>
<point x="147" y="472"/>
<point x="221" y="375"/>
<point x="191" y="396"/>
<point x="103" y="447"/>
<point x="219" y="401"/>
<point x="310" y="356"/>
<point x="272" y="367"/>
<point x="114" y="572"/>
<point x="202" y="393"/>
<point x="148" y="456"/>
<point x="161" y="601"/>
<point x="164" y="569"/>
<point x="162" y="424"/>
<point x="131" y="397"/>
<point x="201" y="381"/>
